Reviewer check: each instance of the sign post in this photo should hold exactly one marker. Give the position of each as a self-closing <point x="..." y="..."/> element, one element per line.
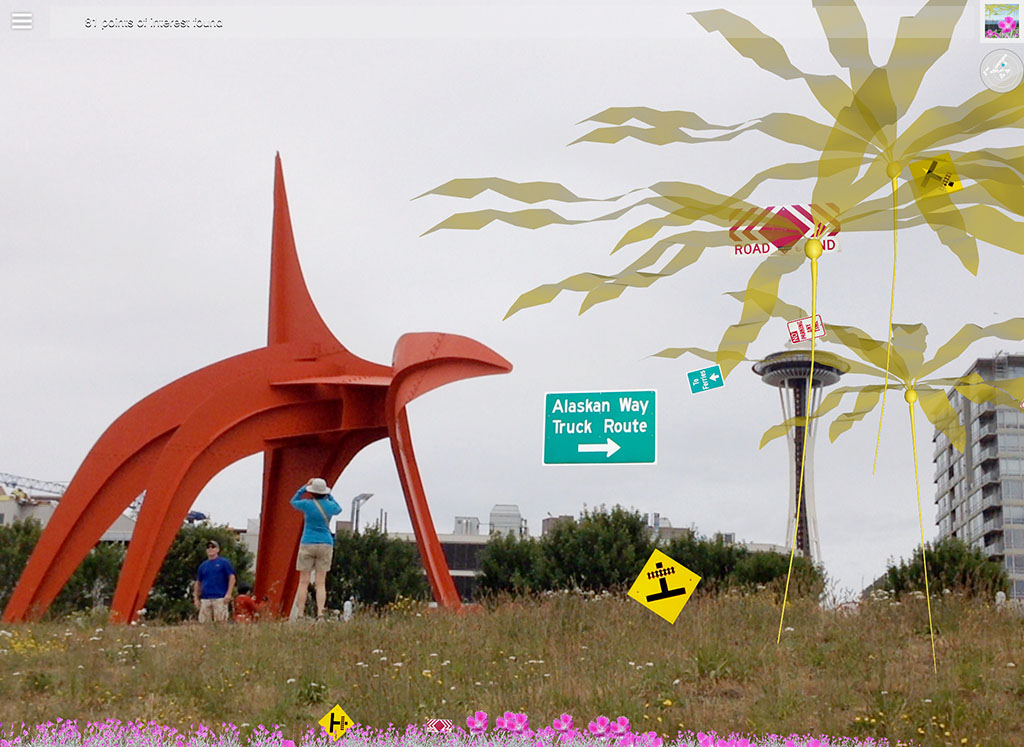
<point x="599" y="428"/>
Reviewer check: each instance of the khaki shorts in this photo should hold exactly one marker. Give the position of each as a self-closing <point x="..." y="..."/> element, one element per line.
<point x="314" y="558"/>
<point x="215" y="609"/>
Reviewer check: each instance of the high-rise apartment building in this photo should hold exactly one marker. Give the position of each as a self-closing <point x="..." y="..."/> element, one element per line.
<point x="980" y="493"/>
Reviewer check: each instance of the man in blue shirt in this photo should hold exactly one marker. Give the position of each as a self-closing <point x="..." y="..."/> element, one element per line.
<point x="215" y="580"/>
<point x="316" y="547"/>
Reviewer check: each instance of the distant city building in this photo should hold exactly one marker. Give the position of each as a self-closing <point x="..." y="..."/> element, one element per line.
<point x="21" y="506"/>
<point x="546" y="525"/>
<point x="463" y="554"/>
<point x="467" y="525"/>
<point x="979" y="494"/>
<point x="506" y="519"/>
<point x="250" y="537"/>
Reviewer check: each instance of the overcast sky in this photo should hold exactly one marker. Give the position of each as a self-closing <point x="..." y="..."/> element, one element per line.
<point x="135" y="219"/>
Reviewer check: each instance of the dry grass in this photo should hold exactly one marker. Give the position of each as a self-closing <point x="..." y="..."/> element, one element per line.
<point x="718" y="668"/>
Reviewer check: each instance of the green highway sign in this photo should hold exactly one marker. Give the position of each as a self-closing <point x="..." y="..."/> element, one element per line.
<point x="599" y="428"/>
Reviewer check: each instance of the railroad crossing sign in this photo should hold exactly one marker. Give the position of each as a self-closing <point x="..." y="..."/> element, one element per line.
<point x="600" y="428"/>
<point x="705" y="378"/>
<point x="335" y="722"/>
<point x="664" y="586"/>
<point x="934" y="176"/>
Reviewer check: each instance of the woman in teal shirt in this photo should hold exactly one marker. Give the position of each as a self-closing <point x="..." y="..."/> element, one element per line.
<point x="316" y="548"/>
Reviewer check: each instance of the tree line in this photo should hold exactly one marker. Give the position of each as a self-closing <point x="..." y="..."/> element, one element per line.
<point x="602" y="551"/>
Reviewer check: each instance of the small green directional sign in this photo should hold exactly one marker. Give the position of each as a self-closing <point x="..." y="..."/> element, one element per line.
<point x="599" y="428"/>
<point x="705" y="378"/>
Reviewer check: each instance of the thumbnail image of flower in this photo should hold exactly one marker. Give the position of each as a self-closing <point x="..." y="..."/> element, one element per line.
<point x="1002" y="21"/>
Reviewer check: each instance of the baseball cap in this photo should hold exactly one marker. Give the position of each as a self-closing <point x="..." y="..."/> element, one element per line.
<point x="212" y="543"/>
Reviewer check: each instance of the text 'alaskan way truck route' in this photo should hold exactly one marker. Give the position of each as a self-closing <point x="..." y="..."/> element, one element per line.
<point x="626" y="405"/>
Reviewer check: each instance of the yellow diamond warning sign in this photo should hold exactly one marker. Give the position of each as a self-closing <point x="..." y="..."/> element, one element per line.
<point x="934" y="176"/>
<point x="335" y="722"/>
<point x="664" y="586"/>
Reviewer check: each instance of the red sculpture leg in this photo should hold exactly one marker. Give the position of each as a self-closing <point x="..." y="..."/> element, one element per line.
<point x="202" y="447"/>
<point x="112" y="475"/>
<point x="425" y="361"/>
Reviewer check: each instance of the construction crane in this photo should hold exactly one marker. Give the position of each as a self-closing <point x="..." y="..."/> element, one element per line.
<point x="27" y="483"/>
<point x="57" y="489"/>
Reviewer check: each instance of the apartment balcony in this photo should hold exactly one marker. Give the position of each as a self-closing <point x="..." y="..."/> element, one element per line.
<point x="992" y="500"/>
<point x="992" y="525"/>
<point x="989" y="477"/>
<point x="985" y="408"/>
<point x="983" y="431"/>
<point x="988" y="453"/>
<point x="995" y="548"/>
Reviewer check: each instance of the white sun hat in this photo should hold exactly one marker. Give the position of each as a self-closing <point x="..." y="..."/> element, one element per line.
<point x="318" y="485"/>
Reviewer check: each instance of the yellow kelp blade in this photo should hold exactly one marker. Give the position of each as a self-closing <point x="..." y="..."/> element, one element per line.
<point x="676" y="119"/>
<point x="921" y="39"/>
<point x="940" y="412"/>
<point x="768" y="54"/>
<point x="912" y="341"/>
<point x="528" y="192"/>
<point x="715" y="356"/>
<point x="584" y="281"/>
<point x="872" y="114"/>
<point x="789" y="128"/>
<point x="847" y="35"/>
<point x="727" y="210"/>
<point x="832" y="400"/>
<point x="1000" y="392"/>
<point x="869" y="215"/>
<point x="988" y="224"/>
<point x="770" y="304"/>
<point x="944" y="217"/>
<point x="870" y="350"/>
<point x="763" y="283"/>
<point x="947" y="125"/>
<point x="694" y="245"/>
<point x="781" y="429"/>
<point x="1011" y="329"/>
<point x="866" y="401"/>
<point x="531" y="218"/>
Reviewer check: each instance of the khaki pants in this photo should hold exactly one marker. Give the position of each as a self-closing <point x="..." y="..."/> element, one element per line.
<point x="314" y="558"/>
<point x="215" y="609"/>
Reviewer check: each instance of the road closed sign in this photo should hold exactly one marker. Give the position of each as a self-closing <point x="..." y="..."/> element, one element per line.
<point x="600" y="427"/>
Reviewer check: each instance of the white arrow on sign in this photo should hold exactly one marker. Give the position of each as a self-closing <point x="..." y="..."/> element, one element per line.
<point x="611" y="447"/>
<point x="713" y="377"/>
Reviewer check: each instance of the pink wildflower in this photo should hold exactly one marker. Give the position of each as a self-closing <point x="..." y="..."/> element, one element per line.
<point x="287" y="743"/>
<point x="520" y="723"/>
<point x="618" y="727"/>
<point x="477" y="723"/>
<point x="1008" y="24"/>
<point x="563" y="723"/>
<point x="599" y="727"/>
<point x="650" y="739"/>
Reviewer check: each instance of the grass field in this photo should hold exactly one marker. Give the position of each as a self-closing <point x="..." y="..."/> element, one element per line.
<point x="718" y="668"/>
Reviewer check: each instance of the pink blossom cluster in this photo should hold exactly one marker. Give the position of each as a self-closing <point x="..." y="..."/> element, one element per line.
<point x="615" y="733"/>
<point x="601" y="732"/>
<point x="1007" y="29"/>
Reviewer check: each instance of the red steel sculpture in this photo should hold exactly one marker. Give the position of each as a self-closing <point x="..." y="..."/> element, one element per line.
<point x="303" y="400"/>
